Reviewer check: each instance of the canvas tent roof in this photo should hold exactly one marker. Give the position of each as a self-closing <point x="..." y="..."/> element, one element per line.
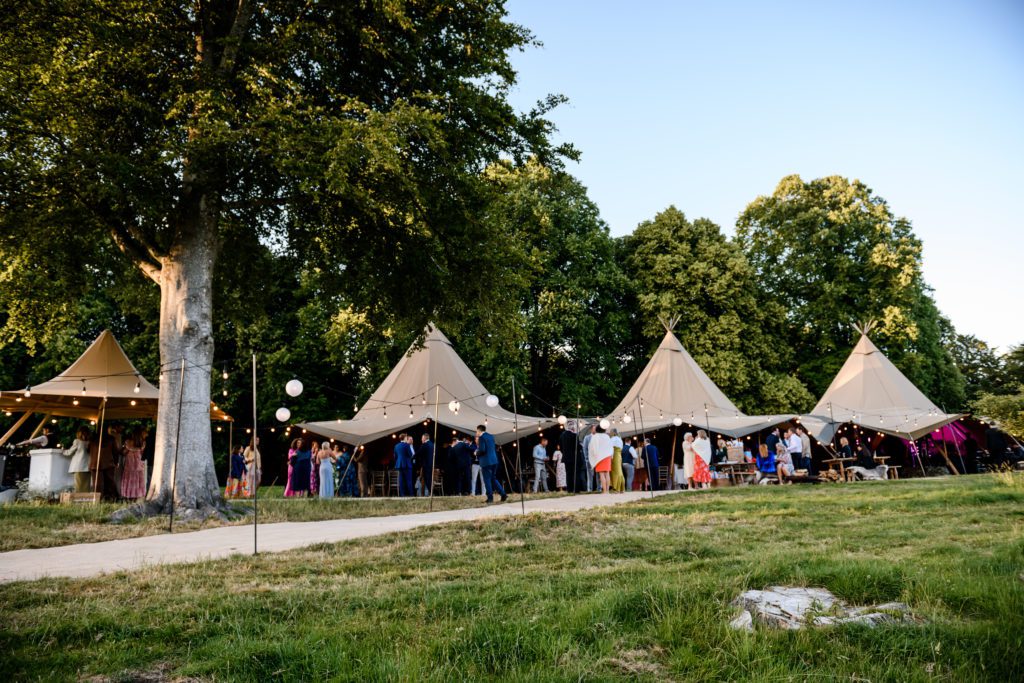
<point x="433" y="373"/>
<point x="104" y="371"/>
<point x="674" y="385"/>
<point x="871" y="392"/>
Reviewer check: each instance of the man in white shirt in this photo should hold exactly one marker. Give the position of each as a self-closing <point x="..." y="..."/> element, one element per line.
<point x="540" y="471"/>
<point x="794" y="446"/>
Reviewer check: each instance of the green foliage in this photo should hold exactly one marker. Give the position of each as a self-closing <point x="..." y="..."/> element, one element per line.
<point x="832" y="253"/>
<point x="691" y="270"/>
<point x="982" y="368"/>
<point x="1006" y="409"/>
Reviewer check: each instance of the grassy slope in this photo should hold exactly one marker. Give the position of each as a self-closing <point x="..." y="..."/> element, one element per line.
<point x="42" y="525"/>
<point x="637" y="592"/>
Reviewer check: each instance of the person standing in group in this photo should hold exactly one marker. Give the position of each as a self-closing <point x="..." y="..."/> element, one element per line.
<point x="794" y="446"/>
<point x="133" y="470"/>
<point x="540" y="466"/>
<point x="702" y="460"/>
<point x="805" y="449"/>
<point x="589" y="483"/>
<point x="569" y="445"/>
<point x="236" y="474"/>
<point x="293" y="453"/>
<point x="600" y="456"/>
<point x="558" y="461"/>
<point x="651" y="462"/>
<point x="618" y="480"/>
<point x="79" y="465"/>
<point x="426" y="457"/>
<point x="362" y="461"/>
<point x="641" y="482"/>
<point x="403" y="463"/>
<point x="488" y="457"/>
<point x="303" y="465"/>
<point x="628" y="458"/>
<point x="348" y="480"/>
<point x="688" y="462"/>
<point x="253" y="465"/>
<point x="467" y="471"/>
<point x="314" y="468"/>
<point x="771" y="440"/>
<point x="324" y="462"/>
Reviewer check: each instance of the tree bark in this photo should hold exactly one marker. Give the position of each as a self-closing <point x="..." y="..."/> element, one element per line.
<point x="186" y="332"/>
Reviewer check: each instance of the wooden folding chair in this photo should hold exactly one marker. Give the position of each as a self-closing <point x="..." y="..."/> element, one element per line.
<point x="378" y="485"/>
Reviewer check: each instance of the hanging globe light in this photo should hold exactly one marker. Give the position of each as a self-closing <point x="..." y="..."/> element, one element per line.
<point x="492" y="401"/>
<point x="293" y="388"/>
<point x="677" y="421"/>
<point x="627" y="418"/>
<point x="283" y="414"/>
<point x="605" y="424"/>
<point x="562" y="419"/>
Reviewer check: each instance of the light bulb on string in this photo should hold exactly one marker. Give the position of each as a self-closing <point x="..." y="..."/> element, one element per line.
<point x="225" y="393"/>
<point x="224" y="375"/>
<point x="83" y="387"/>
<point x="138" y="386"/>
<point x="28" y="392"/>
<point x="410" y="412"/>
<point x="423" y="399"/>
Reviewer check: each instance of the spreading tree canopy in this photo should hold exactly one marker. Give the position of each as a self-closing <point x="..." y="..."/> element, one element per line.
<point x="351" y="134"/>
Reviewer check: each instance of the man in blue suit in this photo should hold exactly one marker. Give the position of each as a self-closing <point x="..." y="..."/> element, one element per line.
<point x="651" y="459"/>
<point x="403" y="463"/>
<point x="487" y="454"/>
<point x="425" y="457"/>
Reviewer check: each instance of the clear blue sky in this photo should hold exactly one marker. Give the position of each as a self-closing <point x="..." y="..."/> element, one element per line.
<point x="707" y="105"/>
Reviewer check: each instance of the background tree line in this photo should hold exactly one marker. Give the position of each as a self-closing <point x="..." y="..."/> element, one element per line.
<point x="572" y="312"/>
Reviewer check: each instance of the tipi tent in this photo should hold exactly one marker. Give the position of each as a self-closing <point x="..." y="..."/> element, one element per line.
<point x="103" y="374"/>
<point x="871" y="392"/>
<point x="673" y="386"/>
<point x="433" y="374"/>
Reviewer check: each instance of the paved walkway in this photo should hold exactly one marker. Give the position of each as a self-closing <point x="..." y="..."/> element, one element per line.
<point x="92" y="559"/>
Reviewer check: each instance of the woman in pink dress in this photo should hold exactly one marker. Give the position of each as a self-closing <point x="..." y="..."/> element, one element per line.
<point x="288" y="492"/>
<point x="133" y="476"/>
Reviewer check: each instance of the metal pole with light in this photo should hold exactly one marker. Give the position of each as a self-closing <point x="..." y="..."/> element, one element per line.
<point x="433" y="456"/>
<point x="256" y="460"/>
<point x="650" y="471"/>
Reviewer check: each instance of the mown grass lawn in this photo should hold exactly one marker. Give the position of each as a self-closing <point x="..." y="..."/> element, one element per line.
<point x="43" y="525"/>
<point x="635" y="592"/>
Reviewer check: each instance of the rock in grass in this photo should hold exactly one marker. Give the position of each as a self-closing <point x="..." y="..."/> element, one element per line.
<point x="793" y="608"/>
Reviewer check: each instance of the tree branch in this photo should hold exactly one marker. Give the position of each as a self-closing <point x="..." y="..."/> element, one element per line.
<point x="243" y="12"/>
<point x="149" y="267"/>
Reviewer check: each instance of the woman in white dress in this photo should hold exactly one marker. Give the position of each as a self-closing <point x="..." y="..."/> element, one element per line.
<point x="688" y="460"/>
<point x="560" y="479"/>
<point x="702" y="460"/>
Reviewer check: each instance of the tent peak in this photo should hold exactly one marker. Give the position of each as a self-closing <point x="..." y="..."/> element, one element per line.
<point x="669" y="323"/>
<point x="866" y="326"/>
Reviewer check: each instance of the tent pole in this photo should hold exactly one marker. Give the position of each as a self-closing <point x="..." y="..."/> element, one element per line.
<point x="254" y="478"/>
<point x="952" y="428"/>
<point x="433" y="456"/>
<point x="920" y="458"/>
<point x="576" y="447"/>
<point x="177" y="439"/>
<point x="40" y="426"/>
<point x="832" y="424"/>
<point x="652" y="474"/>
<point x="519" y="465"/>
<point x="99" y="447"/>
<point x="10" y="432"/>
<point x="672" y="460"/>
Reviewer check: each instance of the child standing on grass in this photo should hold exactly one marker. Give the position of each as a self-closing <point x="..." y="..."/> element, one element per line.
<point x="236" y="475"/>
<point x="560" y="481"/>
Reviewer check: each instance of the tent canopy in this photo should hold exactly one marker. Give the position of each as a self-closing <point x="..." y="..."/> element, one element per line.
<point x="673" y="385"/>
<point x="102" y="373"/>
<point x="425" y="376"/>
<point x="871" y="392"/>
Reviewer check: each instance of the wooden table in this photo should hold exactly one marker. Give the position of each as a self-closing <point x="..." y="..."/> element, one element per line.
<point x="842" y="465"/>
<point x="737" y="471"/>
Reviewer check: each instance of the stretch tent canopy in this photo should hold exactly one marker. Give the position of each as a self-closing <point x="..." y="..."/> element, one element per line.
<point x="425" y="376"/>
<point x="673" y="385"/>
<point x="102" y="374"/>
<point x="869" y="391"/>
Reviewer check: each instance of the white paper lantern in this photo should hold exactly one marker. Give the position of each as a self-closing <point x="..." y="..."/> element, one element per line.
<point x="677" y="421"/>
<point x="492" y="401"/>
<point x="605" y="424"/>
<point x="293" y="388"/>
<point x="627" y="418"/>
<point x="283" y="414"/>
<point x="562" y="419"/>
<point x="453" y="406"/>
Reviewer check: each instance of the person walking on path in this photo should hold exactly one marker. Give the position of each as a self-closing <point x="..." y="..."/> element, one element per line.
<point x="618" y="483"/>
<point x="540" y="469"/>
<point x="488" y="457"/>
<point x="702" y="460"/>
<point x="600" y="455"/>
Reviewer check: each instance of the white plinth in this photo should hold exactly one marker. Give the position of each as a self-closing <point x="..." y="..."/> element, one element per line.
<point x="48" y="471"/>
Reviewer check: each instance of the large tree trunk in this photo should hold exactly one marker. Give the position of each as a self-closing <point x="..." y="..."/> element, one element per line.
<point x="186" y="332"/>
